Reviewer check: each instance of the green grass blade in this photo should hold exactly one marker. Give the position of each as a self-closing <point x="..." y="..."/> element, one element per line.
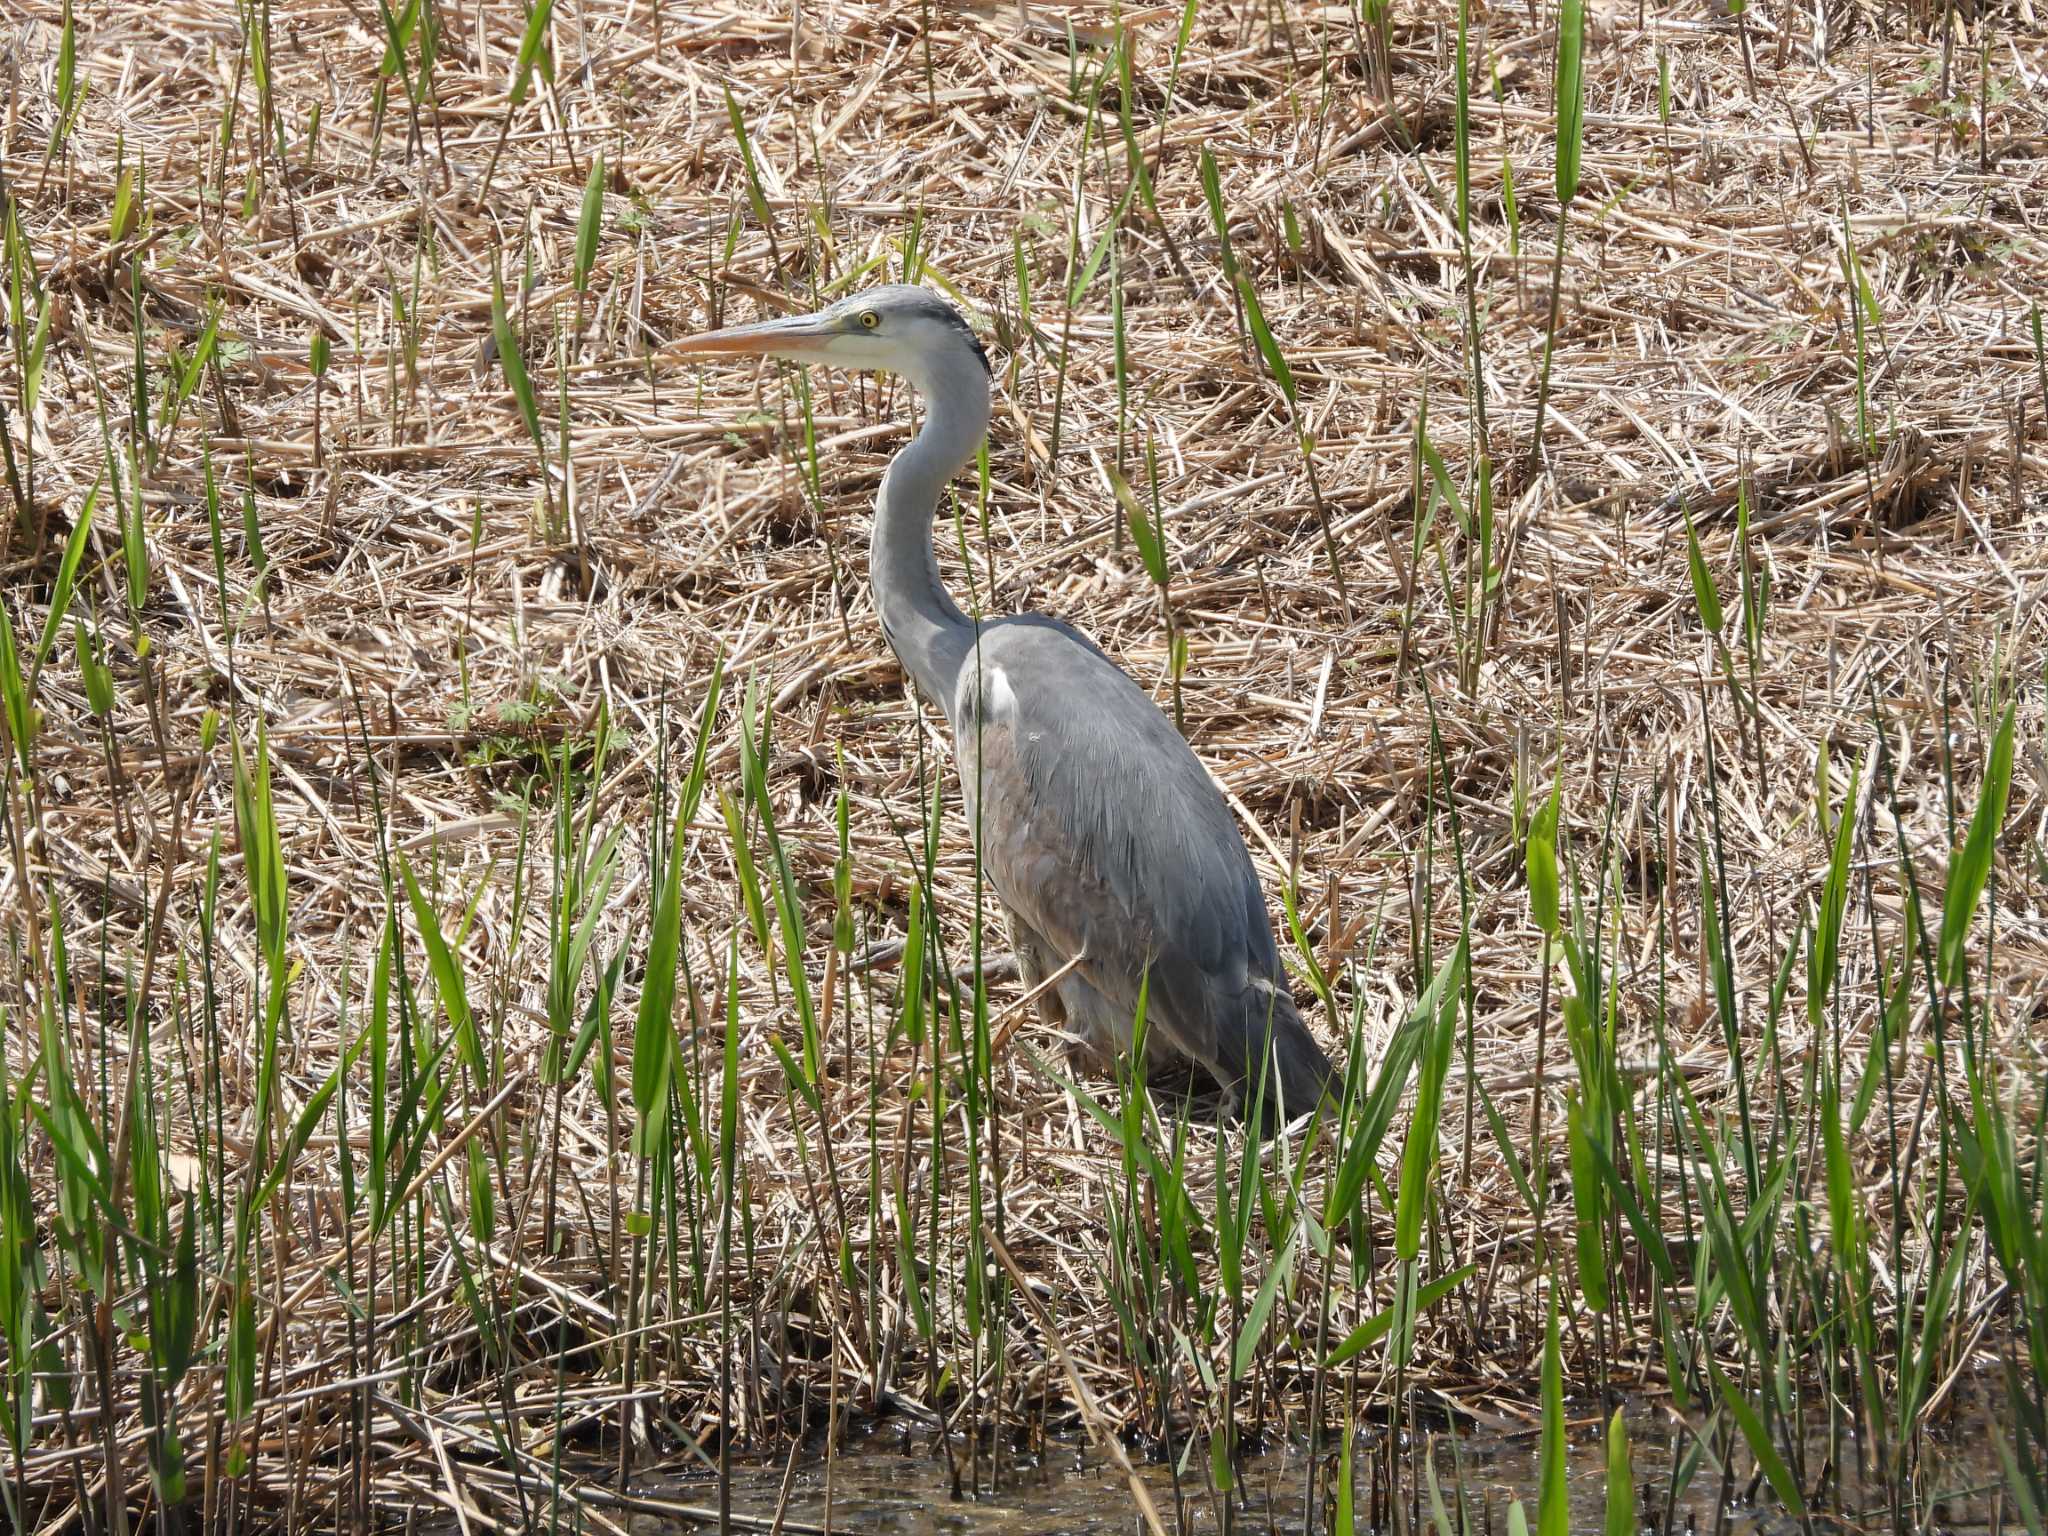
<point x="1744" y="1412"/>
<point x="1344" y="1516"/>
<point x="1212" y="195"/>
<point x="1705" y="595"/>
<point x="1624" y="1199"/>
<point x="1262" y="333"/>
<point x="2022" y="1487"/>
<point x="654" y="1035"/>
<point x="1149" y="548"/>
<point x="1375" y="1112"/>
<point x="1971" y="871"/>
<point x="1262" y="1305"/>
<point x="533" y="50"/>
<point x="1553" y="1494"/>
<point x="1539" y="860"/>
<point x="590" y="223"/>
<point x="309" y="1121"/>
<point x="506" y="342"/>
<point x="66" y="583"/>
<point x="1376" y="1327"/>
<point x="1418" y="1156"/>
<point x="1621" y="1482"/>
<point x="1824" y="954"/>
<point x="1571" y="96"/>
<point x="14" y="696"/>
<point x="757" y="197"/>
<point x="1100" y="249"/>
<point x="1589" y="1212"/>
<point x="1504" y="1144"/>
<point x="450" y="983"/>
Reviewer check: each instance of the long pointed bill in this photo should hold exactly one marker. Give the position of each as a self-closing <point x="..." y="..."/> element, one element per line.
<point x="790" y="336"/>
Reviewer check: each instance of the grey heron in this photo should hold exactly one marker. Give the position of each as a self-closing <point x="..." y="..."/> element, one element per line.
<point x="1109" y="847"/>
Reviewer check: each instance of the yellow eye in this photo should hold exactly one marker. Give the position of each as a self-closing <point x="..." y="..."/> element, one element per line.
<point x="870" y="319"/>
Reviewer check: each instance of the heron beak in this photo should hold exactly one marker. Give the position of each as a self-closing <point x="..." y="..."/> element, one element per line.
<point x="793" y="336"/>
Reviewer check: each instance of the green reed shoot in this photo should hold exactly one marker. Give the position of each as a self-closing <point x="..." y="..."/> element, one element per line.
<point x="1304" y="440"/>
<point x="1120" y="358"/>
<point x="450" y="986"/>
<point x="652" y="1080"/>
<point x="1513" y="211"/>
<point x="83" y="1207"/>
<point x="1571" y="130"/>
<point x="1376" y="19"/>
<point x="565" y="445"/>
<point x="1417" y="1185"/>
<point x="1756" y="1433"/>
<point x="1344" y="1513"/>
<point x="125" y="218"/>
<point x="15" y="707"/>
<point x="1462" y="150"/>
<point x="1706" y="597"/>
<point x="757" y="196"/>
<point x="1481" y="572"/>
<point x="804" y="1070"/>
<point x="505" y="342"/>
<point x="1419" y="1150"/>
<point x="1971" y="871"/>
<point x="1150" y="539"/>
<point x="1754" y="570"/>
<point x="319" y="353"/>
<point x="1136" y="166"/>
<point x="583" y="870"/>
<point x="589" y="227"/>
<point x="1664" y="122"/>
<point x="416" y="19"/>
<point x="31" y="351"/>
<point x="1553" y="1495"/>
<point x="1864" y="318"/>
<point x="535" y="53"/>
<point x="24" y="1325"/>
<point x="264" y="866"/>
<point x="1219" y="221"/>
<point x="1082" y="270"/>
<point x="1231" y="1224"/>
<point x="1027" y="327"/>
<point x="1463" y="600"/>
<point x="70" y="92"/>
<point x="186" y="377"/>
<point x="62" y="588"/>
<point x="1621" y="1482"/>
<point x="754" y="905"/>
<point x="728" y="1165"/>
<point x="1539" y="866"/>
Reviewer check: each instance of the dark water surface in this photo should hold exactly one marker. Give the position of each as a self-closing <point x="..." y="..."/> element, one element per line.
<point x="878" y="1488"/>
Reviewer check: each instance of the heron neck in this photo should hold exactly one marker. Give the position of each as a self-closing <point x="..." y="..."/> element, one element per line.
<point x="924" y="626"/>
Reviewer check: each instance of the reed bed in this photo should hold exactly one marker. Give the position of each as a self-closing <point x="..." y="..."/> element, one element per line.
<point x="500" y="1006"/>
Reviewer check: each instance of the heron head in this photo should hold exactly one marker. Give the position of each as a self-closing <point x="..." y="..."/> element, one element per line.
<point x="900" y="328"/>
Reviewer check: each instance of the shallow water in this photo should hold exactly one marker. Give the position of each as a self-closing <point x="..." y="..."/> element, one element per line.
<point x="877" y="1486"/>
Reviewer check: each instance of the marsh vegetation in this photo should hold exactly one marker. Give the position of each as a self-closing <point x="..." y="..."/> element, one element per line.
<point x="501" y="1012"/>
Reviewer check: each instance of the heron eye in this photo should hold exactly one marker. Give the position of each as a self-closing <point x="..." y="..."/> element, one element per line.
<point x="870" y="319"/>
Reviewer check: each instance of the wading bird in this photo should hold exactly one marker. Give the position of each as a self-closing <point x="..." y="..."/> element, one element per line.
<point x="1109" y="847"/>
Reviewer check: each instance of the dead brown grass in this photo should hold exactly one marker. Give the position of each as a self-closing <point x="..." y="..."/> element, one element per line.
<point x="1704" y="339"/>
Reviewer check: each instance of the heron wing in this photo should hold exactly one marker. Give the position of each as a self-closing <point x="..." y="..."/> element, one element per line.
<point x="1102" y="830"/>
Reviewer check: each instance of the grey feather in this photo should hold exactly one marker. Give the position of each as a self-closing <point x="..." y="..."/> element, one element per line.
<point x="1102" y="831"/>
